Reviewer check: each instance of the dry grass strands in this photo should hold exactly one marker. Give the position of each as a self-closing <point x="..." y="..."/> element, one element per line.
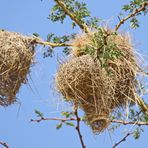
<point x="16" y="54"/>
<point x="81" y="41"/>
<point x="81" y="81"/>
<point x="100" y="77"/>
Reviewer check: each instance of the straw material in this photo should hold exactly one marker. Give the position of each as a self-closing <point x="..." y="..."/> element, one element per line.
<point x="99" y="84"/>
<point x="16" y="54"/>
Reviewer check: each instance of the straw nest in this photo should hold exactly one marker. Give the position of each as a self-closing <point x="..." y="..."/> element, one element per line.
<point x="16" y="54"/>
<point x="100" y="77"/>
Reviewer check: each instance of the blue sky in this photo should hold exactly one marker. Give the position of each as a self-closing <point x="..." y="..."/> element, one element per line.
<point x="27" y="17"/>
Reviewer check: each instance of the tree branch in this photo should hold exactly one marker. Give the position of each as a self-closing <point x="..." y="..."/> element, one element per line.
<point x="73" y="17"/>
<point x="53" y="119"/>
<point x="123" y="139"/>
<point x="78" y="128"/>
<point x="39" y="41"/>
<point x="4" y="144"/>
<point x="143" y="7"/>
<point x="75" y="119"/>
<point x="129" y="122"/>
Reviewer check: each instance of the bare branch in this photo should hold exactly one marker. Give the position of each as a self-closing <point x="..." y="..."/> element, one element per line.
<point x="4" y="144"/>
<point x="129" y="122"/>
<point x="78" y="128"/>
<point x="75" y="119"/>
<point x="72" y="16"/>
<point x="123" y="139"/>
<point x="143" y="7"/>
<point x="53" y="119"/>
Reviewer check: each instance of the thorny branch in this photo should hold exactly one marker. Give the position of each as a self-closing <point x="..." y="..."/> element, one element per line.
<point x="136" y="11"/>
<point x="73" y="17"/>
<point x="4" y="144"/>
<point x="123" y="139"/>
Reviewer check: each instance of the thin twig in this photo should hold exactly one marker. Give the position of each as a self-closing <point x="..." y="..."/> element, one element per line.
<point x="4" y="144"/>
<point x="123" y="139"/>
<point x="143" y="7"/>
<point x="75" y="119"/>
<point x="54" y="119"/>
<point x="78" y="128"/>
<point x="73" y="17"/>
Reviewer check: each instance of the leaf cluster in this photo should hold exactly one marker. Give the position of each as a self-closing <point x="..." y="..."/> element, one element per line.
<point x="57" y="39"/>
<point x="66" y="115"/>
<point x="107" y="48"/>
<point x="132" y="6"/>
<point x="38" y="113"/>
<point x="133" y="116"/>
<point x="78" y="9"/>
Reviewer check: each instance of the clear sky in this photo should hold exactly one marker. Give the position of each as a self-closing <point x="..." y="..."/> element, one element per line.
<point x="27" y="17"/>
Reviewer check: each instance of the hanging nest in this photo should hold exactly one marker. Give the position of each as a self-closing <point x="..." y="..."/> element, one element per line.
<point x="101" y="75"/>
<point x="16" y="54"/>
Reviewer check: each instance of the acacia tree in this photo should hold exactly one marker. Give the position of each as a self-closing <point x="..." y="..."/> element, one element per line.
<point x="80" y="16"/>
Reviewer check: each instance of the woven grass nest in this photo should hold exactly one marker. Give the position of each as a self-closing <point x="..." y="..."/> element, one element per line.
<point x="16" y="54"/>
<point x="100" y="76"/>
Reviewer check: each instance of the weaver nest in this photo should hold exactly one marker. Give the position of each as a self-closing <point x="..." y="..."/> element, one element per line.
<point x="100" y="77"/>
<point x="16" y="55"/>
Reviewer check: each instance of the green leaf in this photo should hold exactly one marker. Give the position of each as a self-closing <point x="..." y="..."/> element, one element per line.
<point x="48" y="53"/>
<point x="50" y="36"/>
<point x="66" y="50"/>
<point x="39" y="114"/>
<point x="58" y="126"/>
<point x="36" y="34"/>
<point x="93" y="22"/>
<point x="73" y="24"/>
<point x="113" y="127"/>
<point x="70" y="124"/>
<point x="66" y="114"/>
<point x="126" y="7"/>
<point x="146" y="117"/>
<point x="113" y="117"/>
<point x="134" y="23"/>
<point x="83" y="118"/>
<point x="136" y="134"/>
<point x="78" y="9"/>
<point x="132" y="112"/>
